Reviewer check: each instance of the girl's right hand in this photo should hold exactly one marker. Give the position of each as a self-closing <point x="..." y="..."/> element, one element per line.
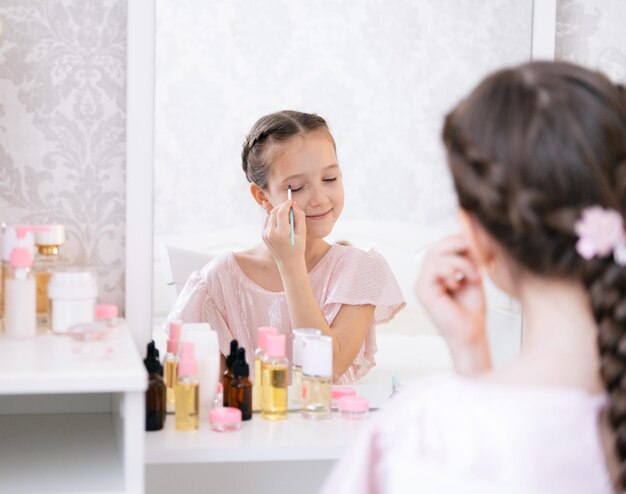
<point x="450" y="288"/>
<point x="277" y="234"/>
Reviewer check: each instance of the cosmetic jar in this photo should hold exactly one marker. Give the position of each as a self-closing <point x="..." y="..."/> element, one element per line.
<point x="225" y="419"/>
<point x="337" y="392"/>
<point x="72" y="296"/>
<point x="354" y="407"/>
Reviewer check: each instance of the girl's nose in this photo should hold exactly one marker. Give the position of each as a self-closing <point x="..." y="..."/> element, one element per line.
<point x="317" y="196"/>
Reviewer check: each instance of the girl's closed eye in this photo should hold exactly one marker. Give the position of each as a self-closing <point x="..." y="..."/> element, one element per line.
<point x="297" y="189"/>
<point x="329" y="179"/>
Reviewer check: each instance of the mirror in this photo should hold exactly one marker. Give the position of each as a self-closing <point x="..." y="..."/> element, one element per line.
<point x="383" y="75"/>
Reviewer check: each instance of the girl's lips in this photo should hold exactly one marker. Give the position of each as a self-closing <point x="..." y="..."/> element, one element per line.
<point x="319" y="216"/>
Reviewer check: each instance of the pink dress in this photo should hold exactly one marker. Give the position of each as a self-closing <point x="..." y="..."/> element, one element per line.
<point x="222" y="295"/>
<point x="448" y="434"/>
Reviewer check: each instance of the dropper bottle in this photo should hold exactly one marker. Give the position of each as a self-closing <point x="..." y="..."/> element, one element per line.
<point x="187" y="390"/>
<point x="155" y="395"/>
<point x="228" y="372"/>
<point x="170" y="364"/>
<point x="240" y="386"/>
<point x="259" y="357"/>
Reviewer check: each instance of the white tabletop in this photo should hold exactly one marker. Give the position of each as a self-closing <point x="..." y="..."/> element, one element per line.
<point x="49" y="363"/>
<point x="262" y="440"/>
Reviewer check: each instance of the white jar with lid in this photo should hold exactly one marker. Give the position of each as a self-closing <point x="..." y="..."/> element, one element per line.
<point x="72" y="296"/>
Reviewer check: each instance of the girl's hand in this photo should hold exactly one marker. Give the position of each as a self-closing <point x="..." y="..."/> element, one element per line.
<point x="277" y="234"/>
<point x="450" y="288"/>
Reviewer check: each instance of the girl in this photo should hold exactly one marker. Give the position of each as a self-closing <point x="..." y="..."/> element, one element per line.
<point x="300" y="281"/>
<point x="538" y="157"/>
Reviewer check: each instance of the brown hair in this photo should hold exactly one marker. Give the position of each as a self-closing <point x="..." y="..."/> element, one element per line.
<point x="529" y="149"/>
<point x="271" y="129"/>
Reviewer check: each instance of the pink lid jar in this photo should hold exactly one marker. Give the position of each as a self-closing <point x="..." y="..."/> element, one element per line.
<point x="225" y="419"/>
<point x="337" y="392"/>
<point x="354" y="407"/>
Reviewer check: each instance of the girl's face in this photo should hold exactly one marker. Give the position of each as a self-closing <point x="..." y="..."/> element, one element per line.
<point x="308" y="163"/>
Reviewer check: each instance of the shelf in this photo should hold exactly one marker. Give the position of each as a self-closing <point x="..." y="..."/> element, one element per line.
<point x="260" y="440"/>
<point x="59" y="453"/>
<point x="50" y="364"/>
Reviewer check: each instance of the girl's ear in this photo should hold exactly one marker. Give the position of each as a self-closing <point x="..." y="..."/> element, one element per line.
<point x="480" y="244"/>
<point x="261" y="197"/>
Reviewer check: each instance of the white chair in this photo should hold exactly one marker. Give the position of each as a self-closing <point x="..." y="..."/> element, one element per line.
<point x="177" y="264"/>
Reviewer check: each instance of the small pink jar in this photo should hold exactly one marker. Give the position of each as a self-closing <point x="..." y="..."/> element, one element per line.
<point x="337" y="392"/>
<point x="354" y="407"/>
<point x="225" y="419"/>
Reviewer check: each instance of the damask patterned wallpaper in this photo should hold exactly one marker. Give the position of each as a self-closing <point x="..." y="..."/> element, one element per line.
<point x="63" y="124"/>
<point x="592" y="33"/>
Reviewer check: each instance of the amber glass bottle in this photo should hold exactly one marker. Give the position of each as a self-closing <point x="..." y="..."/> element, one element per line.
<point x="227" y="377"/>
<point x="240" y="386"/>
<point x="155" y="395"/>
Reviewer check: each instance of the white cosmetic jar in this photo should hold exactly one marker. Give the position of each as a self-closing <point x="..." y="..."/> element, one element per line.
<point x="72" y="295"/>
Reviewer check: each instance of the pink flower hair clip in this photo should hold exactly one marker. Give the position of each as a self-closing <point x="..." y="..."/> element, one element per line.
<point x="601" y="232"/>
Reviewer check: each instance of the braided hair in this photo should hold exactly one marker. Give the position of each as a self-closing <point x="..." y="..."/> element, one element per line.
<point x="529" y="149"/>
<point x="256" y="153"/>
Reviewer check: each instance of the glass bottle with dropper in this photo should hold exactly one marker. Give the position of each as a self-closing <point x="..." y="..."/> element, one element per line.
<point x="240" y="386"/>
<point x="317" y="375"/>
<point x="228" y="372"/>
<point x="296" y="361"/>
<point x="275" y="376"/>
<point x="187" y="390"/>
<point x="170" y="364"/>
<point x="155" y="394"/>
<point x="259" y="357"/>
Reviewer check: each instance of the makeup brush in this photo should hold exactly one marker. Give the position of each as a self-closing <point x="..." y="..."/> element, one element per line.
<point x="292" y="233"/>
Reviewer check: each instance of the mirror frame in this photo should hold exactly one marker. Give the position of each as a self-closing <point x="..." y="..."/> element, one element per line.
<point x="140" y="70"/>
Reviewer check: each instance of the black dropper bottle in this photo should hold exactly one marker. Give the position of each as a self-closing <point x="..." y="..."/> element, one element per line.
<point x="228" y="372"/>
<point x="240" y="386"/>
<point x="155" y="395"/>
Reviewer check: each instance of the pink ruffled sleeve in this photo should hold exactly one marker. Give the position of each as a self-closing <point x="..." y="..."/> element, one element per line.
<point x="363" y="278"/>
<point x="200" y="301"/>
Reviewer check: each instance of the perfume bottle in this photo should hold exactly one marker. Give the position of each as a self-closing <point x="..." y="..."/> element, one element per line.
<point x="47" y="261"/>
<point x="227" y="377"/>
<point x="155" y="395"/>
<point x="187" y="390"/>
<point x="296" y="360"/>
<point x="317" y="374"/>
<point x="240" y="386"/>
<point x="259" y="357"/>
<point x="170" y="364"/>
<point x="274" y="379"/>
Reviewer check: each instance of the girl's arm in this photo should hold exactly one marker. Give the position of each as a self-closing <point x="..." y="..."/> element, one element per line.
<point x="352" y="323"/>
<point x="348" y="330"/>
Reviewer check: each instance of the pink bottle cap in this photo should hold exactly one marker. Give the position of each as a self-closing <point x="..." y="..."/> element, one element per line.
<point x="224" y="415"/>
<point x="106" y="311"/>
<point x="337" y="391"/>
<point x="353" y="404"/>
<point x="263" y="332"/>
<point x="275" y="345"/>
<point x="173" y="341"/>
<point x="21" y="258"/>
<point x="187" y="363"/>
